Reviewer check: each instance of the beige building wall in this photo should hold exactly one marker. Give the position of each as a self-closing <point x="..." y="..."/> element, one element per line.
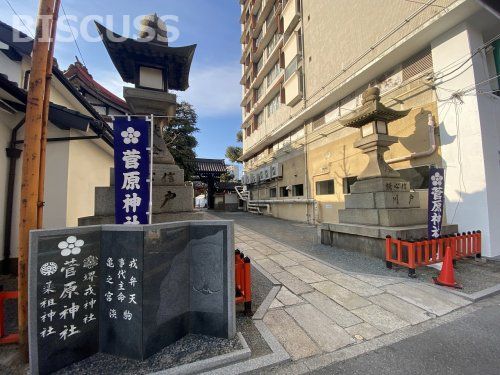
<point x="338" y="61"/>
<point x="89" y="166"/>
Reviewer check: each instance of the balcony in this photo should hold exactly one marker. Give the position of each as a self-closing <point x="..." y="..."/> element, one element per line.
<point x="293" y="66"/>
<point x="293" y="88"/>
<point x="291" y="15"/>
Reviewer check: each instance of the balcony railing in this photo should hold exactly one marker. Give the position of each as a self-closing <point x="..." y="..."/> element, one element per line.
<point x="293" y="66"/>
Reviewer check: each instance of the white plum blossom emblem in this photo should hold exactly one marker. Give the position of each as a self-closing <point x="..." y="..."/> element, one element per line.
<point x="72" y="246"/>
<point x="48" y="269"/>
<point x="130" y="136"/>
<point x="437" y="179"/>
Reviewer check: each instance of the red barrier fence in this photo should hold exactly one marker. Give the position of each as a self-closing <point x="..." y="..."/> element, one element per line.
<point x="243" y="280"/>
<point x="13" y="337"/>
<point x="413" y="254"/>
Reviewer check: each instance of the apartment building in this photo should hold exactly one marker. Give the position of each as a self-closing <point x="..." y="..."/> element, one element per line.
<point x="305" y="64"/>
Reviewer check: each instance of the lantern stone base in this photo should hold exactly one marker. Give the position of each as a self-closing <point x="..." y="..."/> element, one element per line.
<point x="370" y="239"/>
<point x="376" y="208"/>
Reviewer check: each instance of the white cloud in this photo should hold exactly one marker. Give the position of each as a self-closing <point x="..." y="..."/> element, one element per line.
<point x="111" y="80"/>
<point x="214" y="90"/>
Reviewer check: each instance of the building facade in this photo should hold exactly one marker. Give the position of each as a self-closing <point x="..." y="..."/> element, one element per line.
<point x="305" y="64"/>
<point x="79" y="149"/>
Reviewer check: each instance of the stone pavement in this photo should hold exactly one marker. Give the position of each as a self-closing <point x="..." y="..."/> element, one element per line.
<point x="320" y="309"/>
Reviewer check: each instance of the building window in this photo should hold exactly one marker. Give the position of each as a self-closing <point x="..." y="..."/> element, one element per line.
<point x="271" y="76"/>
<point x="283" y="191"/>
<point x="347" y="183"/>
<point x="248" y="131"/>
<point x="325" y="187"/>
<point x="298" y="190"/>
<point x="272" y="193"/>
<point x="273" y="105"/>
<point x="260" y="91"/>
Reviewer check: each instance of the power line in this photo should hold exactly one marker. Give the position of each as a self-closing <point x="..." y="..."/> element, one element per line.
<point x="422" y="3"/>
<point x="19" y="17"/>
<point x="76" y="43"/>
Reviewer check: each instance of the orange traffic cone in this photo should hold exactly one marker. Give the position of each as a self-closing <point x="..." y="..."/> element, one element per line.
<point x="447" y="275"/>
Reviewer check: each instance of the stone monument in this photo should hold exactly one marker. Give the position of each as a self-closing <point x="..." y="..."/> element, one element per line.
<point x="153" y="67"/>
<point x="381" y="202"/>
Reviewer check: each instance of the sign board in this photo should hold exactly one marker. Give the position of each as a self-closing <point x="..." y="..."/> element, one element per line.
<point x="129" y="291"/>
<point x="64" y="295"/>
<point x="131" y="170"/>
<point x="436" y="202"/>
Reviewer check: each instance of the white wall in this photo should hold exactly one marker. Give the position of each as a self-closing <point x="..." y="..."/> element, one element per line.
<point x="11" y="68"/>
<point x="469" y="129"/>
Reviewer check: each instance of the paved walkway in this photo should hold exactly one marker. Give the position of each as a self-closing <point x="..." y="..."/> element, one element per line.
<point x="320" y="309"/>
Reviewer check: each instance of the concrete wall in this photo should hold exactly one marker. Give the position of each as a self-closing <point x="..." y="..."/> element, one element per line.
<point x="470" y="128"/>
<point x="89" y="166"/>
<point x="338" y="32"/>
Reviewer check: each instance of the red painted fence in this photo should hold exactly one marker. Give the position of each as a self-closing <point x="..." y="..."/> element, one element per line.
<point x="13" y="337"/>
<point x="243" y="280"/>
<point x="413" y="254"/>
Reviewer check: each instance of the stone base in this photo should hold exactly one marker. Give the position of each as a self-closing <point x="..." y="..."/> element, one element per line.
<point x="165" y="199"/>
<point x="370" y="240"/>
<point x="386" y="217"/>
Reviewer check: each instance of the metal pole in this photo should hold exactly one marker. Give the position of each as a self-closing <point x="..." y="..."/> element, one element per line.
<point x="31" y="161"/>
<point x="151" y="137"/>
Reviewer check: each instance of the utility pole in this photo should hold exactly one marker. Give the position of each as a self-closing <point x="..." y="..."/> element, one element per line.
<point x="31" y="157"/>
<point x="45" y="118"/>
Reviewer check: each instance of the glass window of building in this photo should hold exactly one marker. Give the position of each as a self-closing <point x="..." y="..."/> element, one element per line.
<point x="273" y="105"/>
<point x="298" y="190"/>
<point x="325" y="187"/>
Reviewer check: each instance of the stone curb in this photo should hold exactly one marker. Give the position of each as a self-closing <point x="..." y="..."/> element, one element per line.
<point x="279" y="355"/>
<point x="210" y="363"/>
<point x="264" y="306"/>
<point x="476" y="296"/>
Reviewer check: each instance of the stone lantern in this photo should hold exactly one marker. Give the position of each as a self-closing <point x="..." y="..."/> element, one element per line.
<point x="372" y="119"/>
<point x="380" y="202"/>
<point x="154" y="68"/>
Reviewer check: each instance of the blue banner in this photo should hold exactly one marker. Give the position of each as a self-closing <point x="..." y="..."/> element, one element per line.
<point x="436" y="202"/>
<point x="131" y="170"/>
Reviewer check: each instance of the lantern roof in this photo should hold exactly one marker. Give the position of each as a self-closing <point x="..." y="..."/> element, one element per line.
<point x="129" y="54"/>
<point x="371" y="110"/>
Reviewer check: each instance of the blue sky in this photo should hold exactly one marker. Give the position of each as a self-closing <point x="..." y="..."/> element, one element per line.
<point x="211" y="24"/>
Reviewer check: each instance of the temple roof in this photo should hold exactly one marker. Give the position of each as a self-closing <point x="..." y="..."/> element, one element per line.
<point x="372" y="110"/>
<point x="80" y="72"/>
<point x="209" y="165"/>
<point x="127" y="53"/>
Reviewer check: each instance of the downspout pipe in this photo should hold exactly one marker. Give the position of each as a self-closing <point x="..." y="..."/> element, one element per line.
<point x="415" y="155"/>
<point x="13" y="154"/>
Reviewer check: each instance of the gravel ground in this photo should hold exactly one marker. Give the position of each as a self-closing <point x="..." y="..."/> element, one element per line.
<point x="474" y="275"/>
<point x="189" y="349"/>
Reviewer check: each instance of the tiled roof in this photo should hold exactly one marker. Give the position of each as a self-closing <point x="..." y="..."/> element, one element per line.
<point x="209" y="165"/>
<point x="78" y="70"/>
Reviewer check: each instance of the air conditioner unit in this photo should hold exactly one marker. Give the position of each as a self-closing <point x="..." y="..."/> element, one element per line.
<point x="261" y="174"/>
<point x="276" y="170"/>
<point x="267" y="173"/>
